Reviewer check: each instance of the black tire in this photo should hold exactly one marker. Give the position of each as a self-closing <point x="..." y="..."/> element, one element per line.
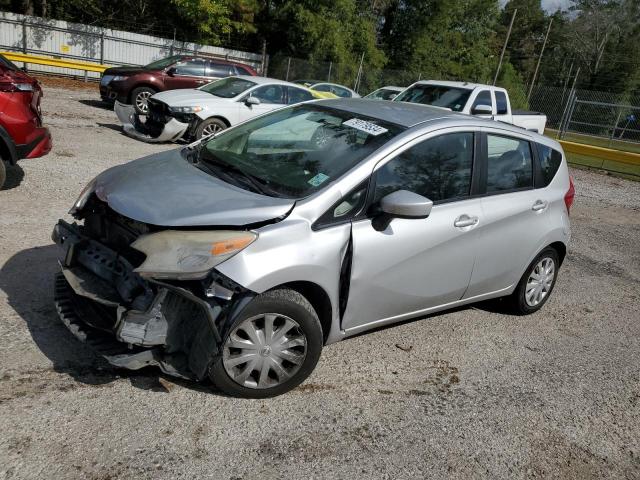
<point x="139" y="97"/>
<point x="3" y="173"/>
<point x="211" y="125"/>
<point x="517" y="300"/>
<point x="284" y="302"/>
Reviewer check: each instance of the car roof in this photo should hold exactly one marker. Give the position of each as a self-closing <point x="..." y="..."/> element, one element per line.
<point x="213" y="58"/>
<point x="449" y="83"/>
<point x="411" y="114"/>
<point x="267" y="80"/>
<point x="391" y="87"/>
<point x="400" y="113"/>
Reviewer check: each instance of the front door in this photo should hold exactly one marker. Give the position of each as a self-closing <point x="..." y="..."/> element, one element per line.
<point x="270" y="96"/>
<point x="416" y="264"/>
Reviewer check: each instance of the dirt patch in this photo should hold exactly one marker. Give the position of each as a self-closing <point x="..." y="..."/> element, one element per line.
<point x="66" y="82"/>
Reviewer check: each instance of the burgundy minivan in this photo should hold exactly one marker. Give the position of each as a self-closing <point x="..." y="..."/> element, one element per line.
<point x="136" y="84"/>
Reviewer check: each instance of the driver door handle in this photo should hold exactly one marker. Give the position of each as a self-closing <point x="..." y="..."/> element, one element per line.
<point x="465" y="220"/>
<point x="539" y="205"/>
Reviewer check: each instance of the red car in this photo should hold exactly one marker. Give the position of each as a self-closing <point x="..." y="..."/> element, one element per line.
<point x="136" y="84"/>
<point x="21" y="132"/>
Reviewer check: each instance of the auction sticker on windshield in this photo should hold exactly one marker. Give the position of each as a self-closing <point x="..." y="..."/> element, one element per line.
<point x="364" y="126"/>
<point x="318" y="179"/>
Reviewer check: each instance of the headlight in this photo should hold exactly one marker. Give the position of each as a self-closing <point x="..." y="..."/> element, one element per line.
<point x="118" y="78"/>
<point x="83" y="197"/>
<point x="188" y="255"/>
<point x="24" y="87"/>
<point x="195" y="109"/>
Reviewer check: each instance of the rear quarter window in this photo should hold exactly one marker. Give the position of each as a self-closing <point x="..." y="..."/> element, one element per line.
<point x="550" y="161"/>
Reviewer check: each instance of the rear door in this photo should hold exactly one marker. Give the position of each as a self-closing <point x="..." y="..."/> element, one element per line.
<point x="188" y="73"/>
<point x="415" y="264"/>
<point x="516" y="216"/>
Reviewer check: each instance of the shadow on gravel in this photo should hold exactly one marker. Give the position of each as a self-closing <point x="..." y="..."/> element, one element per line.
<point x="15" y="174"/>
<point x="97" y="104"/>
<point x="111" y="126"/>
<point x="27" y="280"/>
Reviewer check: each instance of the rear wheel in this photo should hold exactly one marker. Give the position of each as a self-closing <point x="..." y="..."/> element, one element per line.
<point x="536" y="285"/>
<point x="271" y="348"/>
<point x="140" y="97"/>
<point x="3" y="173"/>
<point x="209" y="127"/>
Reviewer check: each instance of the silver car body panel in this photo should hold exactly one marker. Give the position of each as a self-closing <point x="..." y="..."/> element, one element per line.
<point x="379" y="294"/>
<point x="146" y="190"/>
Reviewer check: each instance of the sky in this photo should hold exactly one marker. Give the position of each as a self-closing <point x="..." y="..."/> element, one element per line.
<point x="550" y="6"/>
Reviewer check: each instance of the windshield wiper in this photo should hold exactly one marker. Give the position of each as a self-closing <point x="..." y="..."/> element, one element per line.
<point x="230" y="170"/>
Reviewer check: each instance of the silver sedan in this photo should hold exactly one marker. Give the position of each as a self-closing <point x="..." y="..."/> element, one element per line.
<point x="239" y="257"/>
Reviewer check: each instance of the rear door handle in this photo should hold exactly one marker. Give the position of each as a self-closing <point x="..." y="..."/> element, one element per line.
<point x="539" y="205"/>
<point x="465" y="220"/>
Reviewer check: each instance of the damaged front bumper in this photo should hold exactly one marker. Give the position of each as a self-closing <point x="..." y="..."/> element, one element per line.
<point x="131" y="321"/>
<point x="150" y="131"/>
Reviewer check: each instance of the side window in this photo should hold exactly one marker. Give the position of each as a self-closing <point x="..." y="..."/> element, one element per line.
<point x="346" y="208"/>
<point x="509" y="165"/>
<point x="323" y="87"/>
<point x="220" y="70"/>
<point x="193" y="67"/>
<point x="550" y="161"/>
<point x="501" y="103"/>
<point x="483" y="98"/>
<point x="438" y="168"/>
<point x="269" y="94"/>
<point x="297" y="95"/>
<point x="341" y="92"/>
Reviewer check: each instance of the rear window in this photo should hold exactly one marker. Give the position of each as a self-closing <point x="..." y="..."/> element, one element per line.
<point x="501" y="103"/>
<point x="550" y="161"/>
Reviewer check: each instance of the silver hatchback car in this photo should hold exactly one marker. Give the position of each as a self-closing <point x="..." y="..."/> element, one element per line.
<point x="239" y="257"/>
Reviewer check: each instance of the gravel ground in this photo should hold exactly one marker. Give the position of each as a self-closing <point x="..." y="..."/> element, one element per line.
<point x="466" y="394"/>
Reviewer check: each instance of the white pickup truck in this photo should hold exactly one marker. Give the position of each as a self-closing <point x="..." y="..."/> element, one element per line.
<point x="473" y="99"/>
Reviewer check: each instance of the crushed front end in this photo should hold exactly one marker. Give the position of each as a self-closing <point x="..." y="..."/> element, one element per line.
<point x="133" y="320"/>
<point x="159" y="126"/>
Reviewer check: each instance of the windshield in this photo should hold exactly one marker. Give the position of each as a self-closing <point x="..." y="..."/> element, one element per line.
<point x="228" y="87"/>
<point x="382" y="94"/>
<point x="163" y="63"/>
<point x="296" y="151"/>
<point x="436" y="95"/>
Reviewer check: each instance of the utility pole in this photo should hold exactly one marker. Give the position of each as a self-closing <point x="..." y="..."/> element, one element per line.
<point x="504" y="47"/>
<point x="535" y="73"/>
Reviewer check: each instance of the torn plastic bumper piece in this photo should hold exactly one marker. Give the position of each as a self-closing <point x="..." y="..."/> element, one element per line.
<point x="131" y="322"/>
<point x="149" y="131"/>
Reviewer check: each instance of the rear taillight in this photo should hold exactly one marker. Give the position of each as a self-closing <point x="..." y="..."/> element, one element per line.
<point x="568" y="197"/>
<point x="9" y="86"/>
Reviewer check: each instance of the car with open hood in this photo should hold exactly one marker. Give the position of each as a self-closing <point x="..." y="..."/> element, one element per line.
<point x="196" y="113"/>
<point x="238" y="257"/>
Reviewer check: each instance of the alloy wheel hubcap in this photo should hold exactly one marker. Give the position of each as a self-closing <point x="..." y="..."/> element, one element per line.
<point x="264" y="351"/>
<point x="142" y="101"/>
<point x="210" y="130"/>
<point x="540" y="282"/>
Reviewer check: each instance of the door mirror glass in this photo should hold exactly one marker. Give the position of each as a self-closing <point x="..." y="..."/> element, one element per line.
<point x="171" y="71"/>
<point x="481" y="110"/>
<point x="251" y="100"/>
<point x="406" y="204"/>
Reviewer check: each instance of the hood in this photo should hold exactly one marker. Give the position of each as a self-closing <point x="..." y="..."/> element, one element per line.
<point x="126" y="70"/>
<point x="165" y="190"/>
<point x="188" y="97"/>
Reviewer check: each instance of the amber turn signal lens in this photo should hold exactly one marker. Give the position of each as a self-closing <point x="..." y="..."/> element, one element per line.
<point x="232" y="245"/>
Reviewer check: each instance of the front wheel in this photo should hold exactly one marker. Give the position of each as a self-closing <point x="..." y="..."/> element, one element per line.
<point x="271" y="348"/>
<point x="209" y="127"/>
<point x="140" y="98"/>
<point x="536" y="285"/>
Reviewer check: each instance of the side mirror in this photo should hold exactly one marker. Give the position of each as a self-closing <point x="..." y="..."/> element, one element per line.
<point x="406" y="204"/>
<point x="171" y="71"/>
<point x="252" y="101"/>
<point x="482" y="109"/>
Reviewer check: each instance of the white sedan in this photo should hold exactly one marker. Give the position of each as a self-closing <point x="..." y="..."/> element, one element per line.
<point x="197" y="113"/>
